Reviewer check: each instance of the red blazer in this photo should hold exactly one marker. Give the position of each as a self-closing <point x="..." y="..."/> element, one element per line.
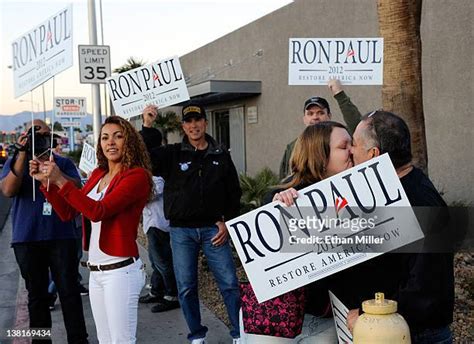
<point x="119" y="210"/>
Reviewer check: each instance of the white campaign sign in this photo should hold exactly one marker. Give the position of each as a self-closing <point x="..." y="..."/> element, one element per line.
<point x="43" y="52"/>
<point x="88" y="159"/>
<point x="354" y="61"/>
<point x="340" y="312"/>
<point x="70" y="107"/>
<point x="160" y="83"/>
<point x="369" y="197"/>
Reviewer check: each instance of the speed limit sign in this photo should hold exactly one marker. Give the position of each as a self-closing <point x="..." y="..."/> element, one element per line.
<point x="94" y="63"/>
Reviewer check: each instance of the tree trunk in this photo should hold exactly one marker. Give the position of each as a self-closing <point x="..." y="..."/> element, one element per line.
<point x="399" y="22"/>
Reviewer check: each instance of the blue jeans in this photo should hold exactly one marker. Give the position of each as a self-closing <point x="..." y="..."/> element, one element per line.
<point x="441" y="335"/>
<point x="186" y="243"/>
<point x="163" y="281"/>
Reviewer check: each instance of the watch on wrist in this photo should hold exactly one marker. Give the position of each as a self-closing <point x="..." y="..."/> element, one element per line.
<point x="20" y="147"/>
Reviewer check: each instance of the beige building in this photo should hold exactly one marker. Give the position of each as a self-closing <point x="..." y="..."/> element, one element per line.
<point x="242" y="79"/>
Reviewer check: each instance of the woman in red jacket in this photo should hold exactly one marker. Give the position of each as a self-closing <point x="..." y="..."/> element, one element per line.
<point x="111" y="202"/>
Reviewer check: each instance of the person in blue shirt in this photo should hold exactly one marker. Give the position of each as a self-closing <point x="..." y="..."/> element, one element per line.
<point x="41" y="241"/>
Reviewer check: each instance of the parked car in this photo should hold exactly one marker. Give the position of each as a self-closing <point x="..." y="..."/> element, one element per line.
<point x="3" y="155"/>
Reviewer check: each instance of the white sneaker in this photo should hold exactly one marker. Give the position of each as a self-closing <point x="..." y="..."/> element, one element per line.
<point x="199" y="341"/>
<point x="236" y="341"/>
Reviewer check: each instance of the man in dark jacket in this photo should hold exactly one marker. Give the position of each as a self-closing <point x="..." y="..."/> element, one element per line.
<point x="424" y="283"/>
<point x="163" y="282"/>
<point x="201" y="192"/>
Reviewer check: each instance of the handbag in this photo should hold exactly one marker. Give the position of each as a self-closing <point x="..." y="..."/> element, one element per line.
<point x="281" y="316"/>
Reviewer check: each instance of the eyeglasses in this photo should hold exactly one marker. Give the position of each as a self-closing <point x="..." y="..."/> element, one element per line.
<point x="374" y="112"/>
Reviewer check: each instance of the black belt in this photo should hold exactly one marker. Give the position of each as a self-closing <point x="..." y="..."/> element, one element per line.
<point x="113" y="266"/>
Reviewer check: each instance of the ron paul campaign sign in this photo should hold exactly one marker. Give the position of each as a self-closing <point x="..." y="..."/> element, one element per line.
<point x="160" y="83"/>
<point x="339" y="222"/>
<point x="88" y="159"/>
<point x="354" y="61"/>
<point x="42" y="52"/>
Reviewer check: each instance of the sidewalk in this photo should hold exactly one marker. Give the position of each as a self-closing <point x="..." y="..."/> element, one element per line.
<point x="168" y="327"/>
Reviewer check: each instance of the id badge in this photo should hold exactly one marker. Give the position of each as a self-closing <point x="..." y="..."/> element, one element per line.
<point x="47" y="208"/>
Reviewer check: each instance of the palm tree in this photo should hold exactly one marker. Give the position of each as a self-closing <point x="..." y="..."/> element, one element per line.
<point x="58" y="126"/>
<point x="168" y="123"/>
<point x="399" y="23"/>
<point x="132" y="63"/>
<point x="254" y="189"/>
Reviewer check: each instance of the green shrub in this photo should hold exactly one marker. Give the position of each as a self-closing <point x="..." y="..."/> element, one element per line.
<point x="75" y="156"/>
<point x="255" y="188"/>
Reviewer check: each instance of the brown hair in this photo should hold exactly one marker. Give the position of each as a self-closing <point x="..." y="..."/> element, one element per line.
<point x="135" y="152"/>
<point x="311" y="154"/>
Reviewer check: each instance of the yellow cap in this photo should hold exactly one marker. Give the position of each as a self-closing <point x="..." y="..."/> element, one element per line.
<point x="379" y="305"/>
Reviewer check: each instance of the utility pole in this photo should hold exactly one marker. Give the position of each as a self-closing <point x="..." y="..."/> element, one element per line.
<point x="97" y="118"/>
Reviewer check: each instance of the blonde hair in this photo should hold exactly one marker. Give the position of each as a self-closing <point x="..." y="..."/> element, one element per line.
<point x="311" y="154"/>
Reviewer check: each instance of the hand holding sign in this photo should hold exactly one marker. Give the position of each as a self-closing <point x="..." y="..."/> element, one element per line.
<point x="287" y="196"/>
<point x="335" y="86"/>
<point x="36" y="172"/>
<point x="150" y="112"/>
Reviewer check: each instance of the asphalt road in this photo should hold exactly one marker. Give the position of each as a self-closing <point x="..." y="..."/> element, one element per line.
<point x="5" y="205"/>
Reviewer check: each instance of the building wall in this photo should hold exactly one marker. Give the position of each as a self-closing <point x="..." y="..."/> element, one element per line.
<point x="259" y="51"/>
<point x="447" y="29"/>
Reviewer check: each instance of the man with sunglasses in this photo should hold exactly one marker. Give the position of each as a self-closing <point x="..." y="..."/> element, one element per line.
<point x="40" y="240"/>
<point x="201" y="192"/>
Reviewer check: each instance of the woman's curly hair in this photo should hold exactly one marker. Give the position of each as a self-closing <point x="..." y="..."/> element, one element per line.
<point x="135" y="152"/>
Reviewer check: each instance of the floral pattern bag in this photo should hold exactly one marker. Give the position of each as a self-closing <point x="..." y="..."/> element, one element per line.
<point x="281" y="316"/>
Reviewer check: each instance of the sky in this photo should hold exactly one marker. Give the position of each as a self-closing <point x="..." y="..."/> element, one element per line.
<point x="149" y="30"/>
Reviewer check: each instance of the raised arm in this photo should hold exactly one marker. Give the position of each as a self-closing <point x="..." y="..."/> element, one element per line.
<point x="11" y="183"/>
<point x="349" y="111"/>
<point x="132" y="187"/>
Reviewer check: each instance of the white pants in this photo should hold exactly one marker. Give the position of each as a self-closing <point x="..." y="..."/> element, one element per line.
<point x="114" y="302"/>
